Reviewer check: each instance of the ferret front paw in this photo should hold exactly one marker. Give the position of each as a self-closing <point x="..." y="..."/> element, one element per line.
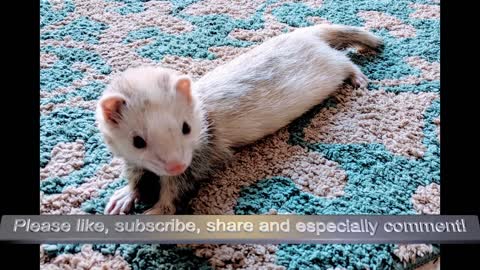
<point x="161" y="209"/>
<point x="121" y="202"/>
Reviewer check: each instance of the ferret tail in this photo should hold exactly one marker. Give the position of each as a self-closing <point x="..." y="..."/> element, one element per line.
<point x="341" y="37"/>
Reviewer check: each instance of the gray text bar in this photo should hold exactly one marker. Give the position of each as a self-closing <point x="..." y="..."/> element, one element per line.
<point x="262" y="229"/>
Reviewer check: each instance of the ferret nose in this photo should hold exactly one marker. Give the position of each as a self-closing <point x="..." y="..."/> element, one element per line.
<point x="175" y="167"/>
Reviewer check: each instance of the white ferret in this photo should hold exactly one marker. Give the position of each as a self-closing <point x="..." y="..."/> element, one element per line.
<point x="159" y="120"/>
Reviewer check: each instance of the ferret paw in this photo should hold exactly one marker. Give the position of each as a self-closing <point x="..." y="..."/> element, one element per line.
<point x="161" y="209"/>
<point x="359" y="80"/>
<point x="121" y="202"/>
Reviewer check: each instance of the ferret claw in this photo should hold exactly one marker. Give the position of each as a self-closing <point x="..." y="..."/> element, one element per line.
<point x="121" y="202"/>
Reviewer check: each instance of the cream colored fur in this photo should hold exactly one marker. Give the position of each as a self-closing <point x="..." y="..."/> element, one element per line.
<point x="246" y="99"/>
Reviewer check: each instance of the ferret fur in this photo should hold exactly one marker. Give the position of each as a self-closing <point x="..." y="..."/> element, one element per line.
<point x="246" y="99"/>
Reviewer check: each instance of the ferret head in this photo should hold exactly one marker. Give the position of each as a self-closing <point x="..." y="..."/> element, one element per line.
<point x="151" y="117"/>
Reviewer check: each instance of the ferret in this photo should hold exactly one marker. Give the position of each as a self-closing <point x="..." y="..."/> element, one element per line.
<point x="159" y="120"/>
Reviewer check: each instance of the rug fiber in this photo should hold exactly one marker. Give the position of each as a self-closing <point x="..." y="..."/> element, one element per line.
<point x="363" y="151"/>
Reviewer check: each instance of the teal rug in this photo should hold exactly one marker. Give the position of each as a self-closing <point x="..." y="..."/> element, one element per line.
<point x="372" y="151"/>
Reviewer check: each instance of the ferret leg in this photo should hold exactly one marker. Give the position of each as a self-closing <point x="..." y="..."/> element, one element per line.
<point x="168" y="194"/>
<point x="123" y="199"/>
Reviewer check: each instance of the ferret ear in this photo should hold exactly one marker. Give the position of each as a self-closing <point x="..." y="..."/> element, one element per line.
<point x="112" y="108"/>
<point x="184" y="87"/>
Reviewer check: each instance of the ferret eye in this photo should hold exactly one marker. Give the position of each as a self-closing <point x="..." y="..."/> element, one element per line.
<point x="139" y="142"/>
<point x="185" y="128"/>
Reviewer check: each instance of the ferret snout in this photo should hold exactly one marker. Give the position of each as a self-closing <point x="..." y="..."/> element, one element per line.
<point x="175" y="167"/>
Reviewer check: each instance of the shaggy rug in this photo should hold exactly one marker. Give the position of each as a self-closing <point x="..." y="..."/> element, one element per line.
<point x="364" y="151"/>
